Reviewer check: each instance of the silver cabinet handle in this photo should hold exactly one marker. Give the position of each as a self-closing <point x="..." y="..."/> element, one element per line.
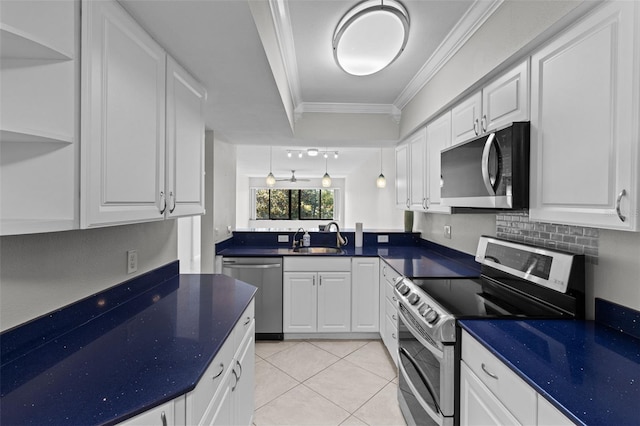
<point x="314" y="281"/>
<point x="393" y="317"/>
<point x="618" y="200"/>
<point x="393" y="335"/>
<point x="320" y="280"/>
<point x="483" y="123"/>
<point x="163" y="202"/>
<point x="384" y="271"/>
<point x="240" y="367"/>
<point x="163" y="418"/>
<point x="490" y="374"/>
<point x="408" y="203"/>
<point x="236" y="377"/>
<point x="221" y="370"/>
<point x="235" y="266"/>
<point x="424" y="203"/>
<point x="394" y="298"/>
<point x="247" y="321"/>
<point x="475" y="127"/>
<point x="172" y="199"/>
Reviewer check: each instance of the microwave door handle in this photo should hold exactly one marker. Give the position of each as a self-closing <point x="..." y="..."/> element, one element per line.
<point x="486" y="151"/>
<point x="423" y="377"/>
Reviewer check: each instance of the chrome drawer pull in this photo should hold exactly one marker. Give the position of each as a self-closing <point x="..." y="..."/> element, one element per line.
<point x="490" y="374"/>
<point x="247" y="321"/>
<point x="163" y="418"/>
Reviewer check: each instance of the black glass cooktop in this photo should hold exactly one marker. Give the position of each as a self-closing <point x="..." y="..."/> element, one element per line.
<point x="484" y="297"/>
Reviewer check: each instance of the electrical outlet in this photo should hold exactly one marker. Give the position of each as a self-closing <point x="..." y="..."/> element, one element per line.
<point x="132" y="261"/>
<point x="283" y="238"/>
<point x="447" y="231"/>
<point x="383" y="238"/>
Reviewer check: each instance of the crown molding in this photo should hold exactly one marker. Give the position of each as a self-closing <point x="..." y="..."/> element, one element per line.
<point x="473" y="19"/>
<point x="347" y="108"/>
<point x="284" y="34"/>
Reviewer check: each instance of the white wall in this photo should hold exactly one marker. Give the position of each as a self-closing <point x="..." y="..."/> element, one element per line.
<point x="363" y="201"/>
<point x="616" y="277"/>
<point x="40" y="273"/>
<point x="224" y="189"/>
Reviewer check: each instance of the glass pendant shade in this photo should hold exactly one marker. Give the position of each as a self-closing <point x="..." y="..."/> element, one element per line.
<point x="370" y="37"/>
<point x="381" y="182"/>
<point x="326" y="180"/>
<point x="271" y="179"/>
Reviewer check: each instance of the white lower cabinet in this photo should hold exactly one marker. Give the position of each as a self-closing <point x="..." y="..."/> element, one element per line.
<point x="365" y="294"/>
<point x="317" y="295"/>
<point x="224" y="395"/>
<point x="388" y="310"/>
<point x="162" y="415"/>
<point x="492" y="394"/>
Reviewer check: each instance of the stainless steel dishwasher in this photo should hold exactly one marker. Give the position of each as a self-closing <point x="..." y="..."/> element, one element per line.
<point x="266" y="274"/>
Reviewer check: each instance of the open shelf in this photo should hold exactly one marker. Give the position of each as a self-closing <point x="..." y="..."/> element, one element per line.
<point x="16" y="44"/>
<point x="18" y="136"/>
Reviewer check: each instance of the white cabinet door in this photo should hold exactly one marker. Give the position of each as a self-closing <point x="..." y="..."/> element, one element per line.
<point x="478" y="406"/>
<point x="186" y="100"/>
<point x="548" y="415"/>
<point x="365" y="294"/>
<point x="417" y="171"/>
<point x="402" y="176"/>
<point x="438" y="138"/>
<point x="244" y="374"/>
<point x="584" y="131"/>
<point x="465" y="119"/>
<point x="300" y="301"/>
<point x="221" y="405"/>
<point x="161" y="415"/>
<point x="506" y="99"/>
<point x="123" y="124"/>
<point x="334" y="302"/>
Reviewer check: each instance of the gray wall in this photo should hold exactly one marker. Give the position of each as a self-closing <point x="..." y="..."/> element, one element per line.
<point x="40" y="273"/>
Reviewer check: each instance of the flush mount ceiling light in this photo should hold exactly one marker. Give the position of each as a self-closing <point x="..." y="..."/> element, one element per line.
<point x="370" y="36"/>
<point x="312" y="152"/>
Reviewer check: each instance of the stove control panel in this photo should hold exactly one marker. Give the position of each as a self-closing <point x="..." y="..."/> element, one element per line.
<point x="437" y="322"/>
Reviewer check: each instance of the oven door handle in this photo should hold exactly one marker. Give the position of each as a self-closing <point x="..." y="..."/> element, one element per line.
<point x="423" y="377"/>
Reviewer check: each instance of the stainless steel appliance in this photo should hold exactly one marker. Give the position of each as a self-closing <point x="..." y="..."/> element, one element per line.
<point x="491" y="171"/>
<point x="266" y="274"/>
<point x="517" y="281"/>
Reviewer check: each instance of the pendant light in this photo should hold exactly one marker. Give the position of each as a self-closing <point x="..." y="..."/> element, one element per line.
<point x="271" y="179"/>
<point x="381" y="182"/>
<point x="326" y="179"/>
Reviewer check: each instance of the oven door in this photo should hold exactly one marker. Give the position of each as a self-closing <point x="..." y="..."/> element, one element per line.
<point x="426" y="391"/>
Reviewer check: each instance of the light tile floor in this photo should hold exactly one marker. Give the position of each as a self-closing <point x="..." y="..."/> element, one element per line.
<point x="325" y="382"/>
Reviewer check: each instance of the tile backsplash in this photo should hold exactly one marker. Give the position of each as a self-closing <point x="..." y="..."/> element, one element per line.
<point x="516" y="226"/>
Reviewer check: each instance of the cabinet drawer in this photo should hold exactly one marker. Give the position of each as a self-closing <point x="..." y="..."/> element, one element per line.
<point x="244" y="323"/>
<point x="392" y="311"/>
<point x="199" y="399"/>
<point x="389" y="293"/>
<point x="389" y="274"/>
<point x="316" y="264"/>
<point x="516" y="395"/>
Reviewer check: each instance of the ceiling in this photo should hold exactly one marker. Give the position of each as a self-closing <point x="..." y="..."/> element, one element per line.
<point x="218" y="41"/>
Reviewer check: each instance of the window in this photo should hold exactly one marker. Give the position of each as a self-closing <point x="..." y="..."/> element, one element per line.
<point x="294" y="204"/>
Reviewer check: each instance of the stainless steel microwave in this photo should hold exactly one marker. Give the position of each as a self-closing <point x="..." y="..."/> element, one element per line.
<point x="491" y="171"/>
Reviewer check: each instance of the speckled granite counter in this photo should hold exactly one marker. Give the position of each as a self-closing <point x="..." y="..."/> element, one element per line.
<point x="405" y="252"/>
<point x="589" y="370"/>
<point x="118" y="353"/>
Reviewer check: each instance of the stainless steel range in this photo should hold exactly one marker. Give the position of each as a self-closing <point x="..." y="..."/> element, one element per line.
<point x="517" y="281"/>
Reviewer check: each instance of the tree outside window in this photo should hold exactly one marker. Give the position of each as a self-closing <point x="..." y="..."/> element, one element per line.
<point x="294" y="204"/>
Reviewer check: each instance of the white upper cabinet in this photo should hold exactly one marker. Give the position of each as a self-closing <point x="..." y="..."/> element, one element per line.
<point x="402" y="176"/>
<point x="417" y="171"/>
<point x="39" y="100"/>
<point x="584" y="122"/>
<point x="142" y="128"/>
<point x="438" y="138"/>
<point x="186" y="100"/>
<point x="502" y="101"/>
<point x="123" y="124"/>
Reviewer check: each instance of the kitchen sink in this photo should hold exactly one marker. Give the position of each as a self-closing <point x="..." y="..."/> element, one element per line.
<point x="317" y="250"/>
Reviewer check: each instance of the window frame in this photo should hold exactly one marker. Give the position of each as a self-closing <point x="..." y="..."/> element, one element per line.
<point x="298" y="205"/>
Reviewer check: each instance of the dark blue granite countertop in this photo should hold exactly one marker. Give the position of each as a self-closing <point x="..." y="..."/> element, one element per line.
<point x="588" y="370"/>
<point x="148" y="347"/>
<point x="407" y="254"/>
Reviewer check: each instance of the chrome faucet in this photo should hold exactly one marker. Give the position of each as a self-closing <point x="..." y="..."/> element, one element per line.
<point x="295" y="243"/>
<point x="340" y="240"/>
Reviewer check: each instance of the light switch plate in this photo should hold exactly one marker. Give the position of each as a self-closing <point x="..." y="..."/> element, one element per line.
<point x="383" y="238"/>
<point x="283" y="238"/>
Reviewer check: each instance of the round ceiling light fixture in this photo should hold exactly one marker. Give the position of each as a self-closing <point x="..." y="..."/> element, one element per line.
<point x="370" y="36"/>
